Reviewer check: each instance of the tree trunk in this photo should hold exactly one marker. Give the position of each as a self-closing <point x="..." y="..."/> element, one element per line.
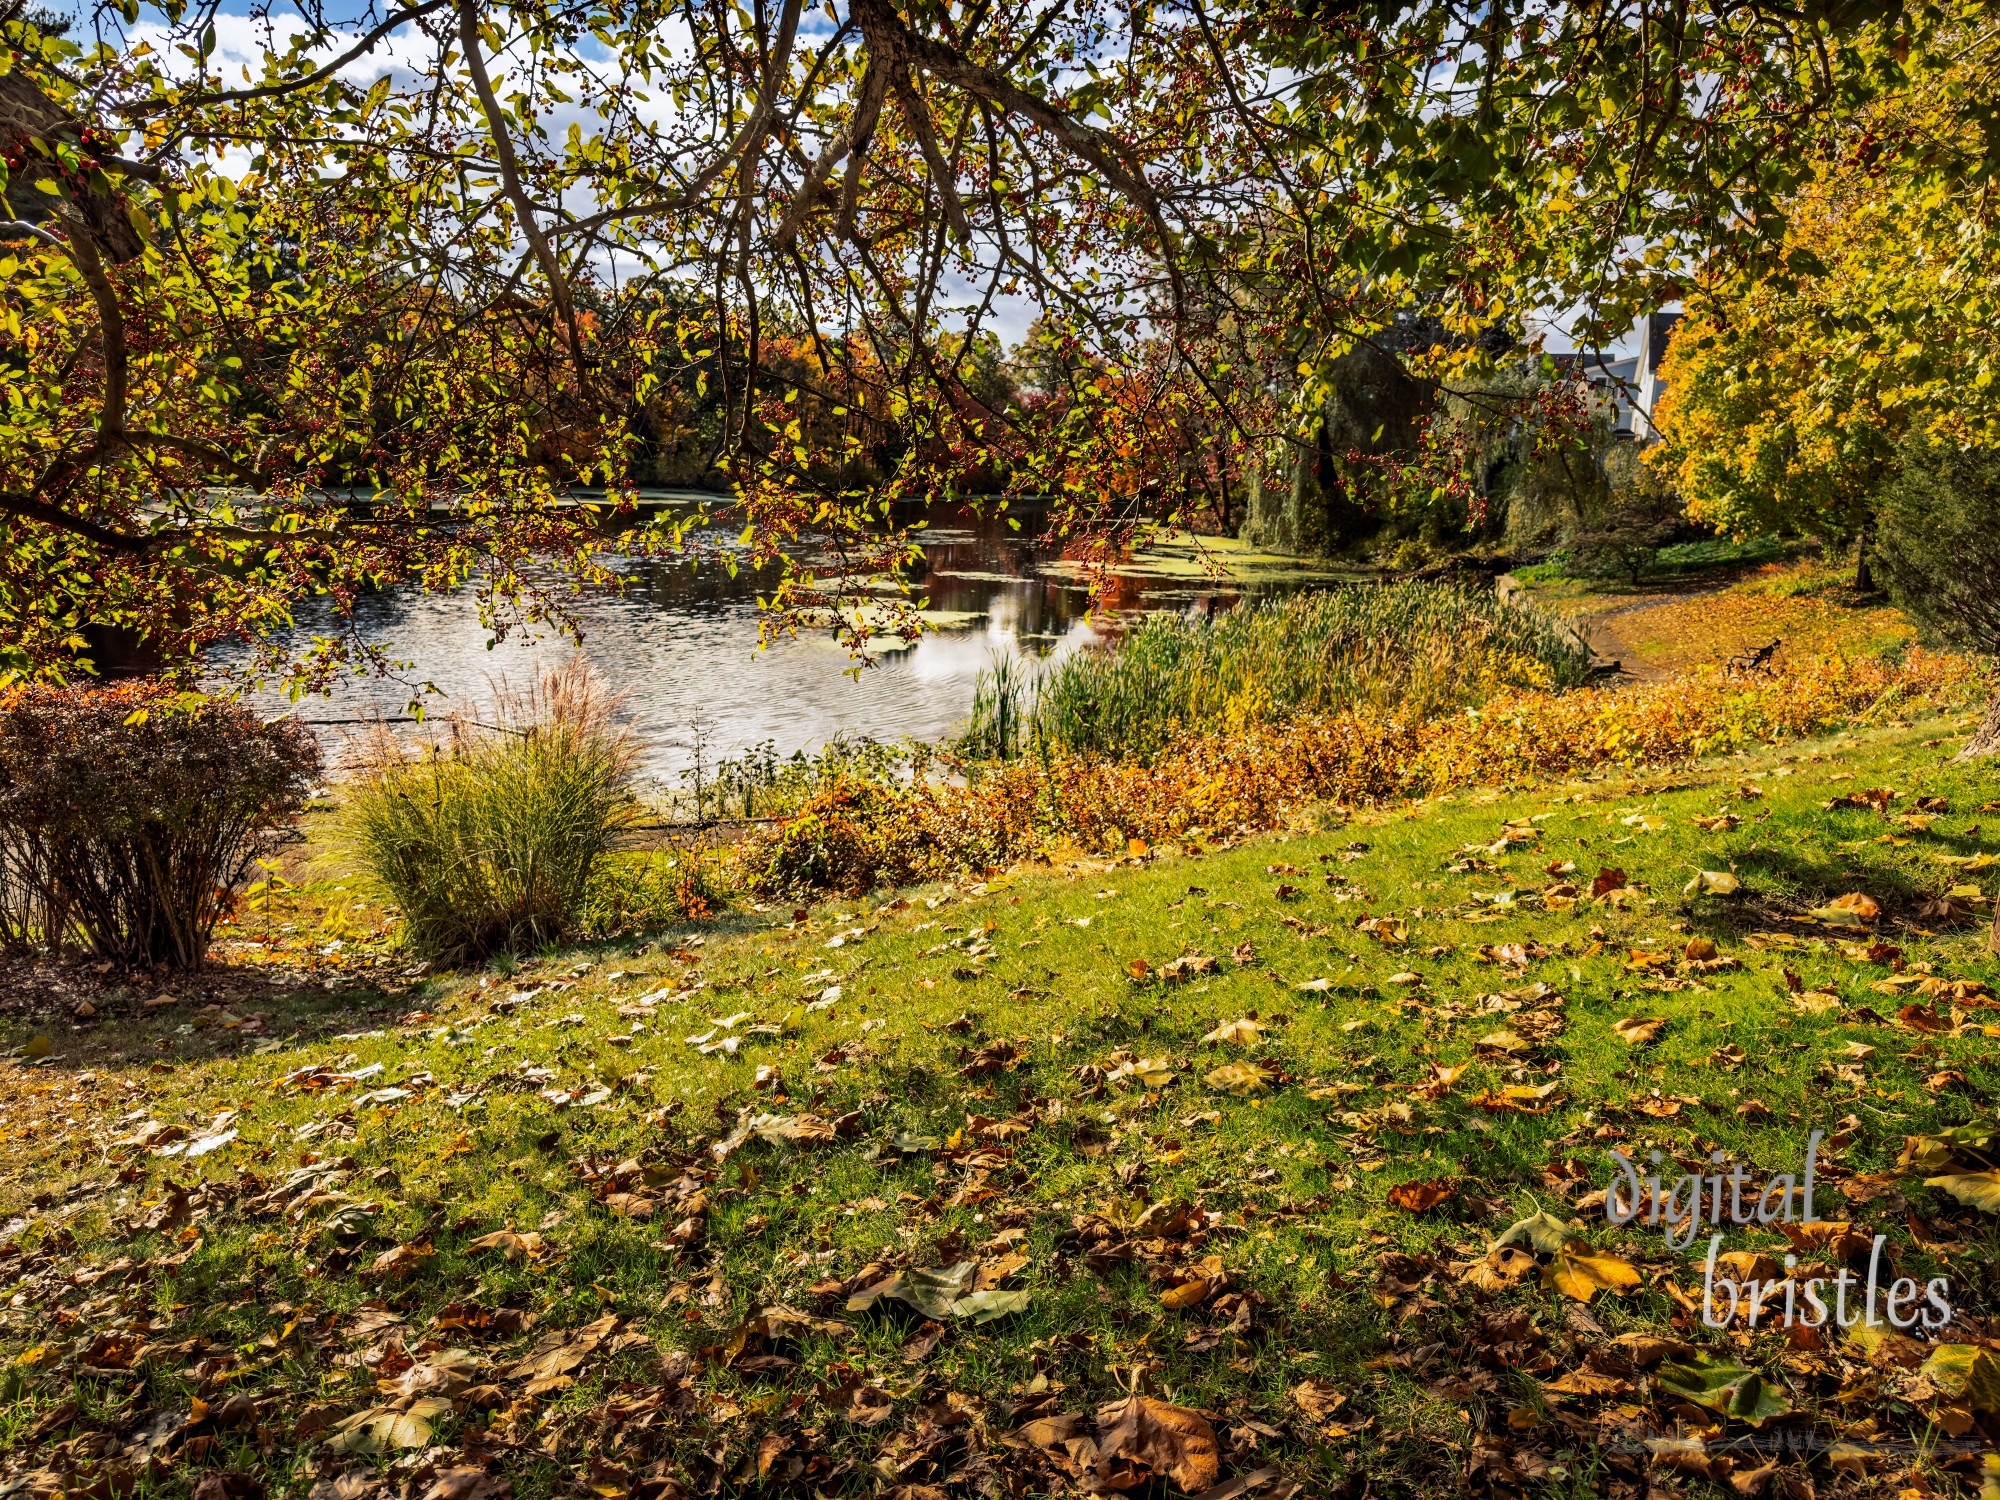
<point x="1864" y="576"/>
<point x="1986" y="738"/>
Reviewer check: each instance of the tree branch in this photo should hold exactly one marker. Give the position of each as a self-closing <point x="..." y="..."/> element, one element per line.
<point x="510" y="178"/>
<point x="395" y="22"/>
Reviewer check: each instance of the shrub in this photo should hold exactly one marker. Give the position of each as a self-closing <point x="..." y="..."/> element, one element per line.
<point x="129" y="814"/>
<point x="1938" y="553"/>
<point x="488" y="832"/>
<point x="1221" y="784"/>
<point x="1937" y="548"/>
<point x="841" y="839"/>
<point x="638" y="892"/>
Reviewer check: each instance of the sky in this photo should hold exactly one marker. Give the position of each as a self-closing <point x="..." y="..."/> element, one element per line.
<point x="241" y="38"/>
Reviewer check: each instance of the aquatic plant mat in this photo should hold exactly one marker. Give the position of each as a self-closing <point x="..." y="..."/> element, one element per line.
<point x="1266" y="1167"/>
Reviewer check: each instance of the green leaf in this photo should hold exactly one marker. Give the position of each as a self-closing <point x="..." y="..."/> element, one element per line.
<point x="1544" y="1231"/>
<point x="991" y="1306"/>
<point x="1967" y="1370"/>
<point x="931" y="1292"/>
<point x="1723" y="1387"/>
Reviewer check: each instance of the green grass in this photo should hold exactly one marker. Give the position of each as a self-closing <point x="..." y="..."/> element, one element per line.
<point x="1711" y="555"/>
<point x="1427" y="648"/>
<point x="1040" y="961"/>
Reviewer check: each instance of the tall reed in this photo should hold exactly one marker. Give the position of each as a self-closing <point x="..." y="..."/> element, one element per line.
<point x="1424" y="648"/>
<point x="487" y="832"/>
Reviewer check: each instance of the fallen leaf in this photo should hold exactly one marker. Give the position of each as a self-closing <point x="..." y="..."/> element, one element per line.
<point x="1152" y="1437"/>
<point x="1638" y="1031"/>
<point x="1318" y="1398"/>
<point x="1391" y="930"/>
<point x="382" y="1427"/>
<point x="1712" y="883"/>
<point x="1968" y="1371"/>
<point x="1851" y="910"/>
<point x="509" y="1244"/>
<point x="1244" y="1080"/>
<point x="1980" y="1190"/>
<point x="468" y="1484"/>
<point x="1544" y="1231"/>
<point x="990" y="1306"/>
<point x="931" y="1292"/>
<point x="1580" y="1273"/>
<point x="1724" y="1387"/>
<point x="1422" y="1197"/>
<point x="1245" y="1033"/>
<point x="548" y="1366"/>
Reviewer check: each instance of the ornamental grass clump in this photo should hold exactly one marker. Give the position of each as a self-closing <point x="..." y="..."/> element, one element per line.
<point x="129" y="814"/>
<point x="488" y="832"/>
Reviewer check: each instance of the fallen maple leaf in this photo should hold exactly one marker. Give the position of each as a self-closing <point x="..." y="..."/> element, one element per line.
<point x="509" y="1244"/>
<point x="547" y="1366"/>
<point x="1980" y="1190"/>
<point x="1638" y="1031"/>
<point x="930" y="1292"/>
<point x="1318" y="1398"/>
<point x="1242" y="1079"/>
<point x="1607" y="881"/>
<point x="1151" y="1436"/>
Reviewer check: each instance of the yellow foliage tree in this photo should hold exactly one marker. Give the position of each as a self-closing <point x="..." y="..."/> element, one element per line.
<point x="1792" y="388"/>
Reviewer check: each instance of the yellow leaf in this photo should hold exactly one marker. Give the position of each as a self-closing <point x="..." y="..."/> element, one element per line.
<point x="1980" y="1190"/>
<point x="1241" y="1079"/>
<point x="1580" y="1273"/>
<point x="1968" y="1370"/>
<point x="1244" y="1033"/>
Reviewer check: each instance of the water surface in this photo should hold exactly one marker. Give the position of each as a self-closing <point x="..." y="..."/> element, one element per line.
<point x="680" y="646"/>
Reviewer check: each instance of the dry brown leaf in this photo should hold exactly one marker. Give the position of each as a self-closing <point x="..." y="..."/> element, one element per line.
<point x="1639" y="1031"/>
<point x="1421" y="1197"/>
<point x="1318" y="1398"/>
<point x="509" y="1244"/>
<point x="1152" y="1437"/>
<point x="547" y="1366"/>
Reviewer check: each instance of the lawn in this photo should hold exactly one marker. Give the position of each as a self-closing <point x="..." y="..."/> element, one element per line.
<point x="1186" y="1170"/>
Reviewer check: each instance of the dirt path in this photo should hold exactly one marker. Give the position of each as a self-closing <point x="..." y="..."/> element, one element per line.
<point x="1619" y="634"/>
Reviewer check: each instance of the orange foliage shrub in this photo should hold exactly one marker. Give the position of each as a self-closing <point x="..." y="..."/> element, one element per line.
<point x="1251" y="780"/>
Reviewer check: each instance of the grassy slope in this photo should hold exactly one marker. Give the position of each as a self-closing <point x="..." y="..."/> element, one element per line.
<point x="1299" y="1176"/>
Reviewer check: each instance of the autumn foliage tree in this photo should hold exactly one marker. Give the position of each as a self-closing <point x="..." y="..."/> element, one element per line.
<point x="1794" y="388"/>
<point x="366" y="306"/>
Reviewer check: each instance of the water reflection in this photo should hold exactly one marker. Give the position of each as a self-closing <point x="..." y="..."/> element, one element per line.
<point x="680" y="646"/>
